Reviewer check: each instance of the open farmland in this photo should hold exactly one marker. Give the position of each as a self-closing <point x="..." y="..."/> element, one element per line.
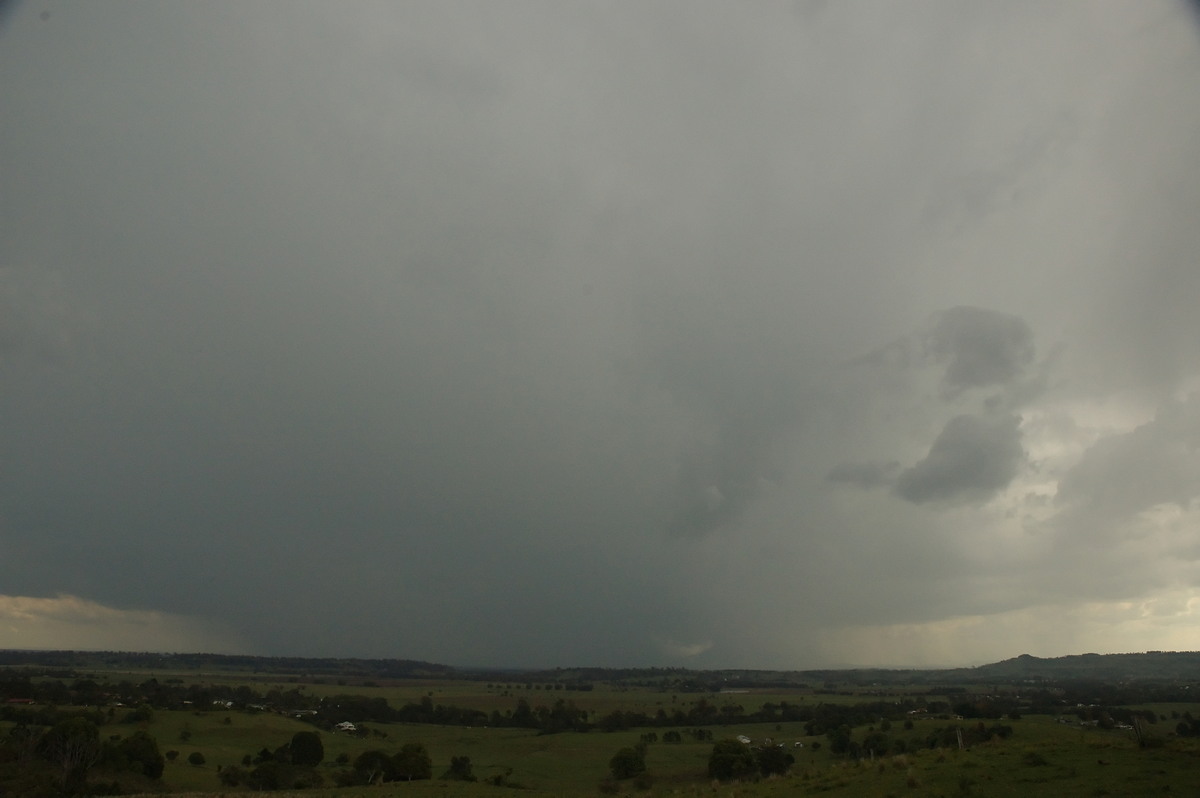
<point x="1042" y="758"/>
<point x="222" y="731"/>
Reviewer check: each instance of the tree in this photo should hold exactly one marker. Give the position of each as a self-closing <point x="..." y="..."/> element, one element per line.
<point x="523" y="716"/>
<point x="374" y="766"/>
<point x="306" y="749"/>
<point x="141" y="751"/>
<point x="627" y="763"/>
<point x="73" y="745"/>
<point x="876" y="742"/>
<point x="412" y="762"/>
<point x="232" y="776"/>
<point x="773" y="759"/>
<point x="839" y="739"/>
<point x="460" y="769"/>
<point x="196" y="758"/>
<point x="731" y="759"/>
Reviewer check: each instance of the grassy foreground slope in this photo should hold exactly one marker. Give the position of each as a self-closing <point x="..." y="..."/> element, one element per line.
<point x="1042" y="757"/>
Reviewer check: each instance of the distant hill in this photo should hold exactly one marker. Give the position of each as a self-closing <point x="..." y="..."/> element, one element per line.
<point x="302" y="666"/>
<point x="1151" y="666"/>
<point x="1148" y="666"/>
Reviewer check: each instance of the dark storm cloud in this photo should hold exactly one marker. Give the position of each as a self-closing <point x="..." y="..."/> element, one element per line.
<point x="472" y="332"/>
<point x="980" y="348"/>
<point x="36" y="321"/>
<point x="865" y="475"/>
<point x="972" y="458"/>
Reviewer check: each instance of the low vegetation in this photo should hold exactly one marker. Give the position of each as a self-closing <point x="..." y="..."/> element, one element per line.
<point x="80" y="729"/>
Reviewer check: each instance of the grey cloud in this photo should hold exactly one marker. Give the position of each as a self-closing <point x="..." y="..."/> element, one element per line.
<point x="1123" y="474"/>
<point x="972" y="458"/>
<point x="450" y="313"/>
<point x="1124" y="513"/>
<point x="38" y="323"/>
<point x="865" y="475"/>
<point x="980" y="347"/>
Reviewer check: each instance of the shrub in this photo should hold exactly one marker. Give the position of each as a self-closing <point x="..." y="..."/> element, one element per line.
<point x="196" y="758"/>
<point x="460" y="769"/>
<point x="503" y="780"/>
<point x="627" y="763"/>
<point x="232" y="776"/>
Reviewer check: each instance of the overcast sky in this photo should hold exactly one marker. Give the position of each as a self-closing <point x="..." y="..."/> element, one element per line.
<point x="764" y="334"/>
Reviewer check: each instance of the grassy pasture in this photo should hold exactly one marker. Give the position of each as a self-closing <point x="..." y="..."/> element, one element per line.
<point x="554" y="763"/>
<point x="1043" y="757"/>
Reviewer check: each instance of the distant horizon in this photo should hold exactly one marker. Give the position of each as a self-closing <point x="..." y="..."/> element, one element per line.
<point x="529" y="669"/>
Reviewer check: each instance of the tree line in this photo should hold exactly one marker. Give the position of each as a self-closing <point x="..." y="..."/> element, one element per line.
<point x="70" y="758"/>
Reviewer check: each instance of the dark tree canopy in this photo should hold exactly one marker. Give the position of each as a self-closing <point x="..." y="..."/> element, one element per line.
<point x="73" y="746"/>
<point x="140" y="750"/>
<point x="459" y="770"/>
<point x="773" y="759"/>
<point x="412" y="762"/>
<point x="731" y="759"/>
<point x="374" y="767"/>
<point x="306" y="749"/>
<point x="627" y="763"/>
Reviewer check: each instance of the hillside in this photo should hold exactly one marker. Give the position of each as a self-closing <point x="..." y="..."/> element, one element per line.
<point x="1151" y="666"/>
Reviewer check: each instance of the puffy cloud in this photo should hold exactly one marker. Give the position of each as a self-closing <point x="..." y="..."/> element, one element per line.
<point x="973" y="457"/>
<point x="1125" y="473"/>
<point x="980" y="347"/>
<point x="1128" y="508"/>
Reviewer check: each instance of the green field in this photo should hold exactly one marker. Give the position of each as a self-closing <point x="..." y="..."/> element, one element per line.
<point x="1042" y="757"/>
<point x="1045" y="754"/>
